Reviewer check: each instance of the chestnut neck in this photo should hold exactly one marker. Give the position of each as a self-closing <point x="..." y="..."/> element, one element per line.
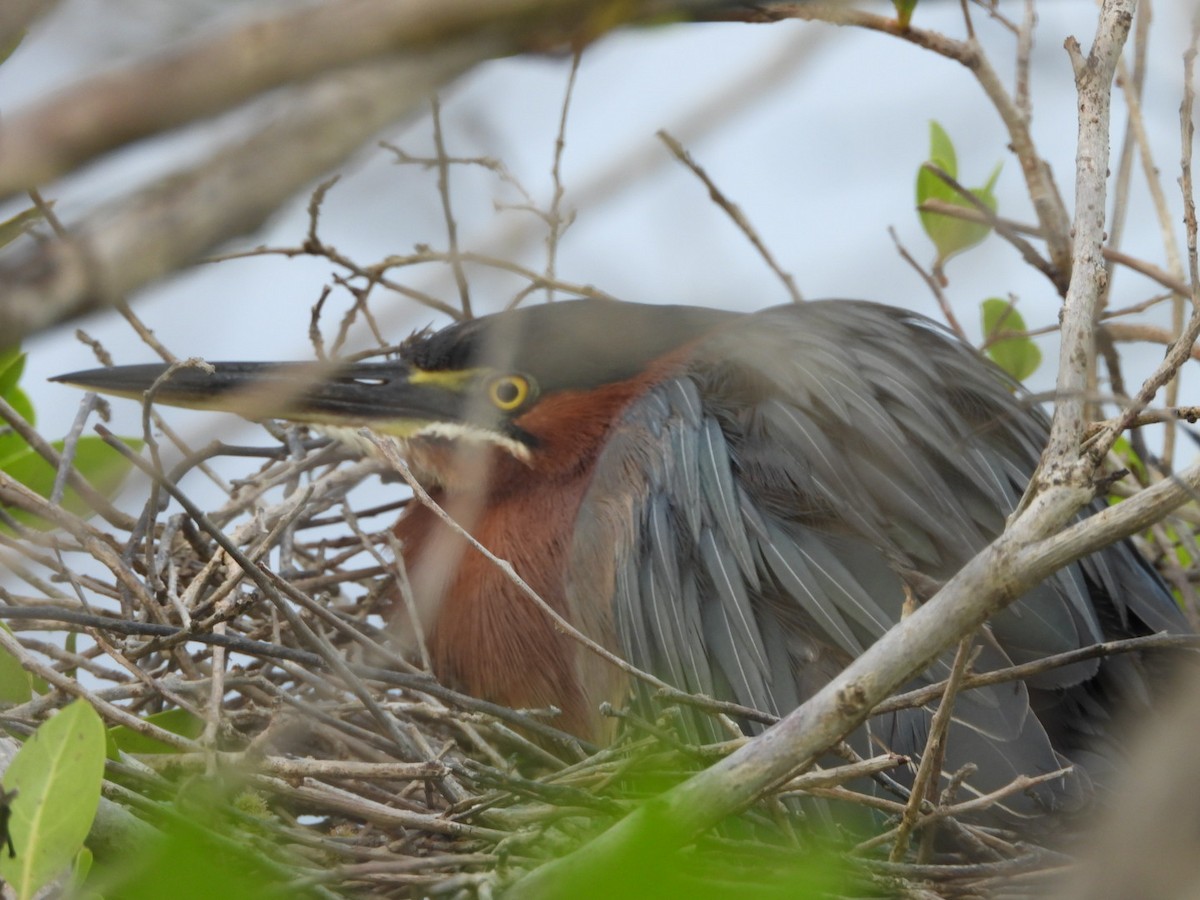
<point x="484" y="635"/>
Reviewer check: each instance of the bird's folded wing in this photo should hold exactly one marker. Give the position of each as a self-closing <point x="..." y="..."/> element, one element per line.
<point x="758" y="519"/>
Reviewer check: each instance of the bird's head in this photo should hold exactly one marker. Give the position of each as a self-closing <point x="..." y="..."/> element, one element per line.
<point x="529" y="383"/>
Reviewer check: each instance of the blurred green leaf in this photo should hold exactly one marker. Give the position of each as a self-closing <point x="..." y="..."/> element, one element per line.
<point x="99" y="463"/>
<point x="950" y="235"/>
<point x="57" y="774"/>
<point x="70" y="644"/>
<point x="16" y="685"/>
<point x="1182" y="555"/>
<point x="14" y="41"/>
<point x="19" y="400"/>
<point x="79" y="873"/>
<point x="1124" y="450"/>
<point x="1019" y="356"/>
<point x="653" y="870"/>
<point x="904" y="11"/>
<point x="183" y="864"/>
<point x="12" y="364"/>
<point x="14" y="227"/>
<point x="176" y="721"/>
<point x="941" y="149"/>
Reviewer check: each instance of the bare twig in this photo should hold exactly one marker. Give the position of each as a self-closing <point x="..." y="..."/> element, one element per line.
<point x="935" y="752"/>
<point x="734" y="212"/>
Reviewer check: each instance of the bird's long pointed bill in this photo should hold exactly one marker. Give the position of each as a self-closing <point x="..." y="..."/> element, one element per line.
<point x="388" y="396"/>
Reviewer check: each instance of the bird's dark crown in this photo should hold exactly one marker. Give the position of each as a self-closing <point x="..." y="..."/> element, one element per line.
<point x="574" y="344"/>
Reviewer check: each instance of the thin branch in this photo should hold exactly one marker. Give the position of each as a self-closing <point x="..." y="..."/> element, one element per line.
<point x="934" y="285"/>
<point x="935" y="752"/>
<point x="443" y="186"/>
<point x="555" y="221"/>
<point x="734" y="212"/>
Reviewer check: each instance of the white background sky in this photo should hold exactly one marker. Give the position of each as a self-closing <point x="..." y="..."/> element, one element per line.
<point x="822" y="161"/>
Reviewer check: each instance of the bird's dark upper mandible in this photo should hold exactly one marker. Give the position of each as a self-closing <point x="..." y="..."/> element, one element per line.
<point x="739" y="503"/>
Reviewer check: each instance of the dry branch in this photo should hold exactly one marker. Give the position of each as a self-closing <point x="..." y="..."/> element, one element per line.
<point x="138" y="239"/>
<point x="221" y="71"/>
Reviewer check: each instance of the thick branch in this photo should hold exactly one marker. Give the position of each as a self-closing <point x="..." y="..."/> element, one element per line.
<point x="1062" y="464"/>
<point x="221" y="71"/>
<point x="169" y="224"/>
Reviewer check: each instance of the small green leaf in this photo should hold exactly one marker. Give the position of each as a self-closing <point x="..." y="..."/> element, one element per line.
<point x="1019" y="356"/>
<point x="904" y="11"/>
<point x="16" y="684"/>
<point x="1182" y="556"/>
<point x="186" y="863"/>
<point x="950" y="235"/>
<point x="79" y="871"/>
<point x="99" y="463"/>
<point x="176" y="721"/>
<point x="20" y="401"/>
<point x="12" y="364"/>
<point x="70" y="644"/>
<point x="941" y="149"/>
<point x="14" y="41"/>
<point x="57" y="775"/>
<point x="1125" y="452"/>
<point x="989" y="188"/>
<point x="13" y="228"/>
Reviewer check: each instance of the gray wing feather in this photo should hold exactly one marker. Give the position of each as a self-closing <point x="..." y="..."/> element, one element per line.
<point x="717" y="486"/>
<point x="764" y="509"/>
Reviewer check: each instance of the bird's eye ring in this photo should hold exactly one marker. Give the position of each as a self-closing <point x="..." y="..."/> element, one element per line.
<point x="508" y="392"/>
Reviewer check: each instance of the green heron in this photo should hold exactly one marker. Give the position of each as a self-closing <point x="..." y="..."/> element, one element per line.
<point x="739" y="503"/>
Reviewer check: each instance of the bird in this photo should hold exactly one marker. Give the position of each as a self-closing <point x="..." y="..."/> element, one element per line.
<point x="738" y="503"/>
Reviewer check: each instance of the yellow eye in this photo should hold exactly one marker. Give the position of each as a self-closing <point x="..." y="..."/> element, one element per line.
<point x="508" y="392"/>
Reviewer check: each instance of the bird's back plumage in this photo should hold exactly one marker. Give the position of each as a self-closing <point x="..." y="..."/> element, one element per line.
<point x="758" y="517"/>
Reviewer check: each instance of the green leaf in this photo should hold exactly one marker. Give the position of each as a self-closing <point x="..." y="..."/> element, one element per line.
<point x="183" y="863"/>
<point x="14" y="41"/>
<point x="12" y="364"/>
<point x="57" y="775"/>
<point x="16" y="684"/>
<point x="20" y="401"/>
<point x="1125" y="452"/>
<point x="949" y="234"/>
<point x="988" y="189"/>
<point x="13" y="228"/>
<point x="99" y="463"/>
<point x="1182" y="556"/>
<point x="941" y="149"/>
<point x="904" y="11"/>
<point x="69" y="645"/>
<point x="80" y="868"/>
<point x="651" y="869"/>
<point x="1019" y="356"/>
<point x="176" y="721"/>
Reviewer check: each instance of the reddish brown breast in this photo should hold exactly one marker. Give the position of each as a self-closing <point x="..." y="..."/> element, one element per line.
<point x="484" y="636"/>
